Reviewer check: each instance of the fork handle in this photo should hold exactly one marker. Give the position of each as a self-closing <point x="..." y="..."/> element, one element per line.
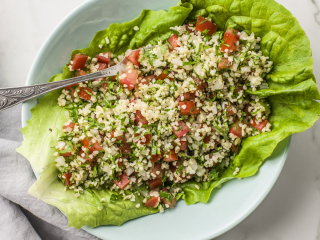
<point x="10" y="97"/>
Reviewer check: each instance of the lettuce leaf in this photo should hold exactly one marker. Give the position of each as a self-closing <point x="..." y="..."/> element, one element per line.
<point x="292" y="93"/>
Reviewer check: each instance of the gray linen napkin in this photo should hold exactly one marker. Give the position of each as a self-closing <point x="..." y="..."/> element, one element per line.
<point x="22" y="216"/>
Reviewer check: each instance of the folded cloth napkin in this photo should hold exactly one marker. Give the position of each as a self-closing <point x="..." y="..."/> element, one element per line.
<point x="22" y="216"/>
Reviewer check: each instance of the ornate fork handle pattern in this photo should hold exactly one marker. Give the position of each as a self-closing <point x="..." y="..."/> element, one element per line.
<point x="10" y="97"/>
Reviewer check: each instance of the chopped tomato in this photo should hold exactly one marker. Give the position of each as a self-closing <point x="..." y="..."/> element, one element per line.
<point x="234" y="148"/>
<point x="102" y="66"/>
<point x="125" y="148"/>
<point x="171" y="203"/>
<point x="146" y="80"/>
<point x="79" y="61"/>
<point x="122" y="138"/>
<point x="155" y="183"/>
<point x="95" y="147"/>
<point x="230" y="111"/>
<point x="188" y="108"/>
<point x="246" y="109"/>
<point x="229" y="40"/>
<point x="259" y="126"/>
<point x="236" y="129"/>
<point x="83" y="93"/>
<point x="69" y="127"/>
<point x="80" y="73"/>
<point x="67" y="154"/>
<point x="67" y="176"/>
<point x="147" y="139"/>
<point x="140" y="118"/>
<point x="133" y="57"/>
<point x="188" y="28"/>
<point x="120" y="164"/>
<point x="130" y="78"/>
<point x="223" y="63"/>
<point x="152" y="202"/>
<point x="105" y="58"/>
<point x="174" y="41"/>
<point x="171" y="156"/>
<point x="163" y="76"/>
<point x="184" y="145"/>
<point x="203" y="24"/>
<point x="104" y="85"/>
<point x="181" y="130"/>
<point x="207" y="139"/>
<point x="123" y="182"/>
<point x="200" y="84"/>
<point x="156" y="168"/>
<point x="187" y="97"/>
<point x="156" y="157"/>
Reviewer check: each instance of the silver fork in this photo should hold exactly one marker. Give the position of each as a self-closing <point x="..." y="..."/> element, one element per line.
<point x="10" y="97"/>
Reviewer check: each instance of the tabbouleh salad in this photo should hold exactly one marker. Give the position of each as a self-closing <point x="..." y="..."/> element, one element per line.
<point x="178" y="113"/>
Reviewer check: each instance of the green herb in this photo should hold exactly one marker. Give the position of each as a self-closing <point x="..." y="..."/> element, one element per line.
<point x="199" y="49"/>
<point x="166" y="195"/>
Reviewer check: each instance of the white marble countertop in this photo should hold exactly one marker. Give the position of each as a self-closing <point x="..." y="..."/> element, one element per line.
<point x="292" y="208"/>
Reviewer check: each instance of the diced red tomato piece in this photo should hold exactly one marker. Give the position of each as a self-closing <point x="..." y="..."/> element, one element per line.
<point x="259" y="126"/>
<point x="171" y="156"/>
<point x="223" y="63"/>
<point x="234" y="148"/>
<point x="188" y="108"/>
<point x="236" y="129"/>
<point x="67" y="176"/>
<point x="188" y="96"/>
<point x="133" y="57"/>
<point x="80" y="73"/>
<point x="125" y="148"/>
<point x="105" y="58"/>
<point x="155" y="183"/>
<point x="83" y="94"/>
<point x="152" y="202"/>
<point x="246" y="109"/>
<point x="156" y="168"/>
<point x="146" y="80"/>
<point x="184" y="145"/>
<point x="230" y="111"/>
<point x="174" y="41"/>
<point x="69" y="127"/>
<point x="95" y="147"/>
<point x="79" y="61"/>
<point x="171" y="203"/>
<point x="230" y="39"/>
<point x="122" y="138"/>
<point x="67" y="154"/>
<point x="188" y="28"/>
<point x="130" y="79"/>
<point x="120" y="164"/>
<point x="104" y="85"/>
<point x="200" y="84"/>
<point x="147" y="139"/>
<point x="183" y="129"/>
<point x="163" y="76"/>
<point x="140" y="118"/>
<point x="156" y="157"/>
<point x="207" y="139"/>
<point x="102" y="66"/>
<point x="203" y="25"/>
<point x="123" y="182"/>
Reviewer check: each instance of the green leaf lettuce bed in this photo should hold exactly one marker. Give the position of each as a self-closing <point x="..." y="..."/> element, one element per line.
<point x="292" y="95"/>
